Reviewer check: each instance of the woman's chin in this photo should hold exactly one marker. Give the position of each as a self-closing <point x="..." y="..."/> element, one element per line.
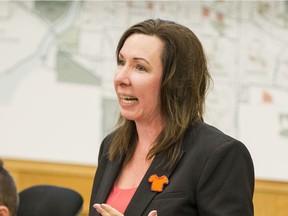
<point x="128" y="116"/>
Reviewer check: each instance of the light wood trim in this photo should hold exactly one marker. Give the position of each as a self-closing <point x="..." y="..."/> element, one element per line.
<point x="270" y="197"/>
<point x="78" y="177"/>
<point x="271" y="187"/>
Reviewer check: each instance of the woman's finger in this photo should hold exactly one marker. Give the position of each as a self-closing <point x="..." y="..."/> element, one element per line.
<point x="110" y="210"/>
<point x="100" y="210"/>
<point x="106" y="210"/>
<point x="153" y="213"/>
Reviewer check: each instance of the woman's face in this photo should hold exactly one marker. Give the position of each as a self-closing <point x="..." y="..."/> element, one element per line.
<point x="138" y="78"/>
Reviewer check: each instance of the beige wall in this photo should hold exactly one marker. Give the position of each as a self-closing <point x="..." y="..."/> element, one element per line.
<point x="270" y="199"/>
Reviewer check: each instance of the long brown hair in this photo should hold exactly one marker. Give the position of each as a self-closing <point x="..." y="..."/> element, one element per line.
<point x="184" y="85"/>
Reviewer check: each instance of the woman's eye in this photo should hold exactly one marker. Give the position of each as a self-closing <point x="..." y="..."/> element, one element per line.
<point x="120" y="62"/>
<point x="140" y="68"/>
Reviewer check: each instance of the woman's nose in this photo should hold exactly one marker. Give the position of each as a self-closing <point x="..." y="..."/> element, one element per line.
<point x="122" y="77"/>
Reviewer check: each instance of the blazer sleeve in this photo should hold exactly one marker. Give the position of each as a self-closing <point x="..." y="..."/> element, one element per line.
<point x="226" y="183"/>
<point x="102" y="162"/>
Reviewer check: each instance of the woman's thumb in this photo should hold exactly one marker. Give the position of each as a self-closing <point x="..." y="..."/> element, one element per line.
<point x="153" y="213"/>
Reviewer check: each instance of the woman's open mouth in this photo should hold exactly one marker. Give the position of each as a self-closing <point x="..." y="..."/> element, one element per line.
<point x="128" y="100"/>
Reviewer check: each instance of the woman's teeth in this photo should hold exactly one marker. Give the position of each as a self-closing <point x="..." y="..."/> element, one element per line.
<point x="129" y="99"/>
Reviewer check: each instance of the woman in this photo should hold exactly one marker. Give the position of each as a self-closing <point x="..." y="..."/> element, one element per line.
<point x="163" y="157"/>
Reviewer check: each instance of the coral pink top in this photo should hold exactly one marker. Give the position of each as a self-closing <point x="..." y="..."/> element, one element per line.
<point x="120" y="198"/>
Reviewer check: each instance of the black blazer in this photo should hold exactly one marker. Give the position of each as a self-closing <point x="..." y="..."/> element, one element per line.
<point x="213" y="177"/>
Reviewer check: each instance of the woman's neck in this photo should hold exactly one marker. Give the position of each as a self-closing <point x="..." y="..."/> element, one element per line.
<point x="147" y="134"/>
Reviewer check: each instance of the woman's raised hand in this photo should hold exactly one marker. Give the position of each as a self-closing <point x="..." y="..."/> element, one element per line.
<point x="107" y="210"/>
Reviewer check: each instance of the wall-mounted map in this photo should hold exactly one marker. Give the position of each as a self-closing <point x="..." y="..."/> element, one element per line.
<point x="57" y="62"/>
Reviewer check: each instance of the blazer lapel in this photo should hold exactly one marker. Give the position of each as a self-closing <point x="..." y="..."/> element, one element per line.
<point x="143" y="194"/>
<point x="111" y="173"/>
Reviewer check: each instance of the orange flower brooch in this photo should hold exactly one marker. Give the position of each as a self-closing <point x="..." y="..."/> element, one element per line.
<point x="157" y="183"/>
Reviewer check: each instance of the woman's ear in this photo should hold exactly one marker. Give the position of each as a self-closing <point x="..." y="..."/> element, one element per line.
<point x="4" y="211"/>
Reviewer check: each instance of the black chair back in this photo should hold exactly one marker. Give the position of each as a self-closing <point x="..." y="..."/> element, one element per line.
<point x="49" y="200"/>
